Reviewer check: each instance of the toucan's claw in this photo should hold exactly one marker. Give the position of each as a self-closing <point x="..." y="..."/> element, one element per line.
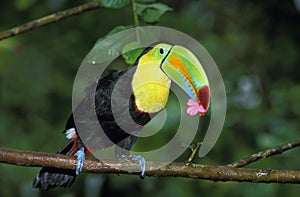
<point x="142" y="163"/>
<point x="80" y="159"/>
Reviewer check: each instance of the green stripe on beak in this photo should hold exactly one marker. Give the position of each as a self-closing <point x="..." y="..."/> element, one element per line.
<point x="183" y="68"/>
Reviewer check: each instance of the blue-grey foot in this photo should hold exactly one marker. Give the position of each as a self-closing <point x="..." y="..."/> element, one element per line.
<point x="142" y="163"/>
<point x="80" y="160"/>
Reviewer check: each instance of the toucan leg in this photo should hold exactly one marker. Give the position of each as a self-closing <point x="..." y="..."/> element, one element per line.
<point x="142" y="163"/>
<point x="80" y="159"/>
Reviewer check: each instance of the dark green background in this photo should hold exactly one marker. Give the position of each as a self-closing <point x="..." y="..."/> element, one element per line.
<point x="256" y="45"/>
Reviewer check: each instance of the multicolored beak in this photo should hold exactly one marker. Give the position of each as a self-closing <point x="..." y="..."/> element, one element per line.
<point x="183" y="68"/>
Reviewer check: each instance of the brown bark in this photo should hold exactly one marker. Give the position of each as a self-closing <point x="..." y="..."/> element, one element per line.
<point x="195" y="171"/>
<point x="48" y="19"/>
<point x="264" y="154"/>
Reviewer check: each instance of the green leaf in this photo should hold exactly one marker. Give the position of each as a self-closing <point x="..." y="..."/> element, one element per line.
<point x="114" y="31"/>
<point x="113" y="3"/>
<point x="110" y="46"/>
<point x="150" y="13"/>
<point x="131" y="52"/>
<point x="140" y="8"/>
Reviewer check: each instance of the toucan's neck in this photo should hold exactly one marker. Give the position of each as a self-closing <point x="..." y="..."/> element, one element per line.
<point x="150" y="85"/>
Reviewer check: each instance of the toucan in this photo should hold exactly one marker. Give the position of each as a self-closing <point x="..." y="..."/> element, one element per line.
<point x="149" y="82"/>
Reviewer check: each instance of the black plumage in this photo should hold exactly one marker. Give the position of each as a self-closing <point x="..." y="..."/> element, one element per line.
<point x="85" y="123"/>
<point x="49" y="177"/>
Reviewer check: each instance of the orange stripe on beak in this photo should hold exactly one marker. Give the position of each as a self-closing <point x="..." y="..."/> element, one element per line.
<point x="179" y="65"/>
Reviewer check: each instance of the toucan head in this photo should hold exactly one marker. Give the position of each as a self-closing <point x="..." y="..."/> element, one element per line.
<point x="165" y="63"/>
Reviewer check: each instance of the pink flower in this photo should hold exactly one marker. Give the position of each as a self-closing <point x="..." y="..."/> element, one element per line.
<point x="195" y="107"/>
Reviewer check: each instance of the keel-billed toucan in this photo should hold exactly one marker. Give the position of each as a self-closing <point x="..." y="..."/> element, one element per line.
<point x="155" y="69"/>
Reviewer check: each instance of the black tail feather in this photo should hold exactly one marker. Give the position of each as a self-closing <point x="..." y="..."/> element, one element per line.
<point x="49" y="177"/>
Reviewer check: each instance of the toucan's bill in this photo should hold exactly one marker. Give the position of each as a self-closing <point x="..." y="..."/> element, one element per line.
<point x="161" y="65"/>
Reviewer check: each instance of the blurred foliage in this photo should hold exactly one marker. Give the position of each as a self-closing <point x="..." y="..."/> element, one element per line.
<point x="256" y="45"/>
<point x="151" y="13"/>
<point x="113" y="3"/>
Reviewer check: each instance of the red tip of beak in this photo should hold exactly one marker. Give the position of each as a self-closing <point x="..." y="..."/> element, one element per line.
<point x="204" y="96"/>
<point x="195" y="107"/>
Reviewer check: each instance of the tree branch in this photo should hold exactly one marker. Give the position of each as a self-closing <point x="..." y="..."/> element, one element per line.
<point x="215" y="173"/>
<point x="48" y="19"/>
<point x="264" y="154"/>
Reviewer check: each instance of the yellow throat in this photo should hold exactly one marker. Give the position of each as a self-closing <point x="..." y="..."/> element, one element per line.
<point x="150" y="85"/>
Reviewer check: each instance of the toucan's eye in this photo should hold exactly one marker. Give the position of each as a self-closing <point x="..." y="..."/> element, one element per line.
<point x="161" y="51"/>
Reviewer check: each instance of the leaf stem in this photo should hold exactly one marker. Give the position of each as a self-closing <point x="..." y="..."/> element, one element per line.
<point x="136" y="19"/>
<point x="194" y="151"/>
